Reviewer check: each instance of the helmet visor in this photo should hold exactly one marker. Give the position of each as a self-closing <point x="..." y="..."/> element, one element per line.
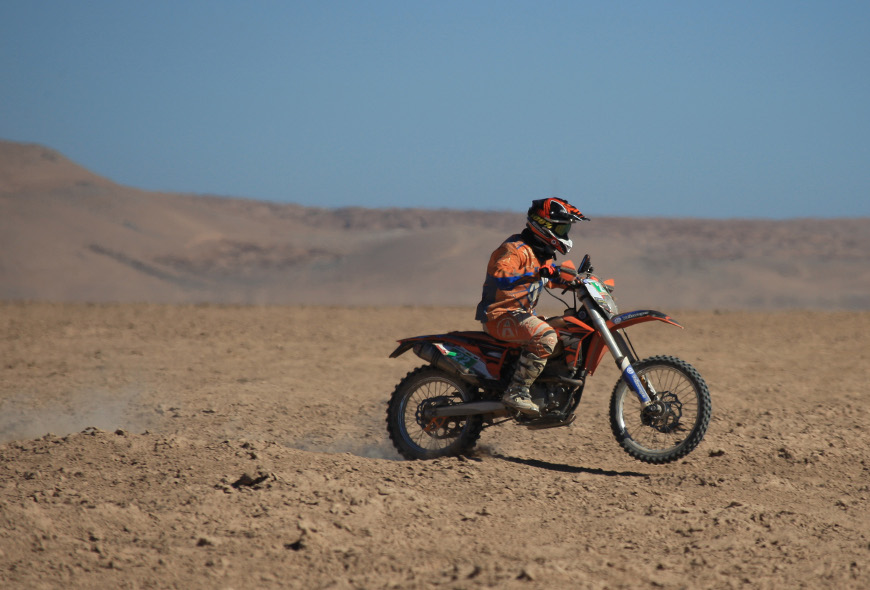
<point x="561" y="229"/>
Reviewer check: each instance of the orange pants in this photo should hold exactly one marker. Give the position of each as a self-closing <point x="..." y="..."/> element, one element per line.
<point x="537" y="336"/>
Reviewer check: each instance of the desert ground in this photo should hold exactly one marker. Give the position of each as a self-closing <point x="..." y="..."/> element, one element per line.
<point x="221" y="447"/>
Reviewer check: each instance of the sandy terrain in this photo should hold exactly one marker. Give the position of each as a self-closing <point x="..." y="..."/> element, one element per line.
<point x="148" y="446"/>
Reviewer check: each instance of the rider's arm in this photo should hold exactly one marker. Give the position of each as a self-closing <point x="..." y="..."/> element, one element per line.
<point x="508" y="270"/>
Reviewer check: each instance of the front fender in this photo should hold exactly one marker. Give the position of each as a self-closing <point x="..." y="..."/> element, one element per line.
<point x="597" y="348"/>
<point x="624" y="320"/>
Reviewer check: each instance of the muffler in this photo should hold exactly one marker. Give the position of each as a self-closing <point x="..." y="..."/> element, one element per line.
<point x="470" y="409"/>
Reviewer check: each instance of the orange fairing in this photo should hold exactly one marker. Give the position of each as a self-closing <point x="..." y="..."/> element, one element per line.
<point x="576" y="322"/>
<point x="587" y="329"/>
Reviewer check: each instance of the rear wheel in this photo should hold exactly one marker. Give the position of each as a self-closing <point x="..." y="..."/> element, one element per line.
<point x="671" y="427"/>
<point x="418" y="435"/>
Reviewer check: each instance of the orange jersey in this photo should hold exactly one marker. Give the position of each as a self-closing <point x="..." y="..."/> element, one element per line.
<point x="513" y="281"/>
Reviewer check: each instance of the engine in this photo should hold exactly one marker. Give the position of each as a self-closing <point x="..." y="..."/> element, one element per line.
<point x="550" y="395"/>
<point x="549" y="392"/>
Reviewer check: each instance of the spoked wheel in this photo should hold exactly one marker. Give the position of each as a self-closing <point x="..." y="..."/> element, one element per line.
<point x="417" y="434"/>
<point x="671" y="427"/>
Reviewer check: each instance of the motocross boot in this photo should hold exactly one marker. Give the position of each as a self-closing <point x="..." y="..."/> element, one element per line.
<point x="517" y="395"/>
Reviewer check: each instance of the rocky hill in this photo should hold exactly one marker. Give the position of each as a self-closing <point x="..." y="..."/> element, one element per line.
<point x="67" y="234"/>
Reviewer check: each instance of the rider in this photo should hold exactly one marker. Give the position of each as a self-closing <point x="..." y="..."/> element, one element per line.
<point x="517" y="271"/>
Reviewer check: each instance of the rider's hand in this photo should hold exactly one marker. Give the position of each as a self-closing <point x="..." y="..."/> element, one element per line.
<point x="548" y="271"/>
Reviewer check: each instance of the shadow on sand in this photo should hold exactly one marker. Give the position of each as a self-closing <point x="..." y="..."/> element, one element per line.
<point x="562" y="468"/>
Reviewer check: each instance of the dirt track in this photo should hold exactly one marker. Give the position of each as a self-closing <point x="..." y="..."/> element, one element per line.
<point x="158" y="413"/>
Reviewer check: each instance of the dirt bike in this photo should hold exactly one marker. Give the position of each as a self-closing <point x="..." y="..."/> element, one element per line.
<point x="659" y="409"/>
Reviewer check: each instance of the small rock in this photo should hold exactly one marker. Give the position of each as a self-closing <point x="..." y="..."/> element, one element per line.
<point x="528" y="574"/>
<point x="206" y="541"/>
<point x="248" y="481"/>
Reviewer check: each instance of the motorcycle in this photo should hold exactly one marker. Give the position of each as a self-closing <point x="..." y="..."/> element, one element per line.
<point x="660" y="407"/>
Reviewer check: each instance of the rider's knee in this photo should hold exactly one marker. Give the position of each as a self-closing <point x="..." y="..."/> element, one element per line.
<point x="545" y="345"/>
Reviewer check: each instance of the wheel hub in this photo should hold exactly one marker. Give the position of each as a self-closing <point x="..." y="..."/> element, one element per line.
<point x="440" y="427"/>
<point x="664" y="413"/>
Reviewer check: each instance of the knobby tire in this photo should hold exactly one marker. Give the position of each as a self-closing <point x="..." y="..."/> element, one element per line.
<point x="648" y="443"/>
<point x="410" y="437"/>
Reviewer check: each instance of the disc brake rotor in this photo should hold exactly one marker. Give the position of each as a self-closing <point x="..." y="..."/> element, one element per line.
<point x="439" y="427"/>
<point x="664" y="414"/>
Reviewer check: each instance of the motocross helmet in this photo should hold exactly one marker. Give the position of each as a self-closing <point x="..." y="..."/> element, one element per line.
<point x="550" y="220"/>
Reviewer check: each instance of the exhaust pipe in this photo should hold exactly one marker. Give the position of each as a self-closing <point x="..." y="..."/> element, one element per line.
<point x="471" y="409"/>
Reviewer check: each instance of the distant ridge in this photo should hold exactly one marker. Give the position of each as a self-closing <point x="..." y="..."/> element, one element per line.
<point x="26" y="167"/>
<point x="67" y="234"/>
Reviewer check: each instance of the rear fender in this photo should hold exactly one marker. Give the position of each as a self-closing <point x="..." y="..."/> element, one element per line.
<point x="404" y="346"/>
<point x="597" y="347"/>
<point x="452" y="351"/>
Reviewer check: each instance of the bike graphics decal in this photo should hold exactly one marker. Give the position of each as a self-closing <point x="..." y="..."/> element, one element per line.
<point x="644" y="313"/>
<point x="630" y="316"/>
<point x="600" y="294"/>
<point x="464" y="359"/>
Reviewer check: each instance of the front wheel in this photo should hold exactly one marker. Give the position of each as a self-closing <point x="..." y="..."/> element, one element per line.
<point x="674" y="424"/>
<point x="415" y="433"/>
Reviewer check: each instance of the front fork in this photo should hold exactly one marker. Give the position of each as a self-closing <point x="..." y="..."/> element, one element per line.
<point x="622" y="360"/>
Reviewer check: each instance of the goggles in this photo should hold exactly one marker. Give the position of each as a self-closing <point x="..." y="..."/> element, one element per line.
<point x="561" y="229"/>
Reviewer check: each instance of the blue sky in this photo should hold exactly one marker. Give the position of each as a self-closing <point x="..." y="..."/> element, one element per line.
<point x="629" y="108"/>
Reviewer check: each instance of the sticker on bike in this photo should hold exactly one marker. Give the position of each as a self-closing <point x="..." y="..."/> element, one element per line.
<point x="464" y="359"/>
